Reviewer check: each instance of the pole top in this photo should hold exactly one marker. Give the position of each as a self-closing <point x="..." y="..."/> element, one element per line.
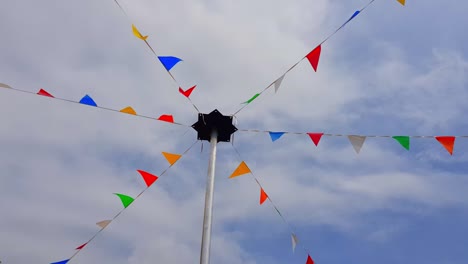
<point x="214" y="121"/>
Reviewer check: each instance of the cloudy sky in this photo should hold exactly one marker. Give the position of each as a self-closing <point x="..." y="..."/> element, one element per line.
<point x="393" y="70"/>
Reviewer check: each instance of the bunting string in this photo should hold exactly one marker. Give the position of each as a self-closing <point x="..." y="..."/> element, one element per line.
<point x="87" y="100"/>
<point x="313" y="57"/>
<point x="167" y="61"/>
<point x="244" y="169"/>
<point x="127" y="201"/>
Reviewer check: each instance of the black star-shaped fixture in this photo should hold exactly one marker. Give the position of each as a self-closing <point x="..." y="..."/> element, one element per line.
<point x="214" y="121"/>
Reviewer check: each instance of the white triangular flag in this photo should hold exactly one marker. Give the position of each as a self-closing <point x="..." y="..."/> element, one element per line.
<point x="4" y="85"/>
<point x="294" y="241"/>
<point x="278" y="83"/>
<point x="357" y="142"/>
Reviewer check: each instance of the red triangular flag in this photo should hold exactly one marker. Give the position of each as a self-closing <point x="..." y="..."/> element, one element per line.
<point x="314" y="57"/>
<point x="148" y="177"/>
<point x="44" y="93"/>
<point x="447" y="142"/>
<point x="263" y="196"/>
<point x="188" y="92"/>
<point x="309" y="260"/>
<point x="81" y="247"/>
<point x="315" y="137"/>
<point x="167" y="118"/>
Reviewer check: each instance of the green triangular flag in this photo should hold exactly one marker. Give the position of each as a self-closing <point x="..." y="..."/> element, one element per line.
<point x="251" y="99"/>
<point x="126" y="200"/>
<point x="403" y="140"/>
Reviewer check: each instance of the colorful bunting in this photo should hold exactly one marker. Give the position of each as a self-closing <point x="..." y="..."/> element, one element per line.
<point x="309" y="260"/>
<point x="278" y="82"/>
<point x="404" y="141"/>
<point x="276" y="135"/>
<point x="61" y="262"/>
<point x="357" y="142"/>
<point x="448" y="142"/>
<point x="251" y="99"/>
<point x="314" y="57"/>
<point x="402" y="2"/>
<point x="81" y="247"/>
<point x="187" y="92"/>
<point x="87" y="100"/>
<point x="138" y="34"/>
<point x="148" y="177"/>
<point x="171" y="158"/>
<point x="126" y="200"/>
<point x="263" y="196"/>
<point x="295" y="241"/>
<point x="128" y="110"/>
<point x="315" y="137"/>
<point x="169" y="61"/>
<point x="353" y="16"/>
<point x="44" y="93"/>
<point x="104" y="223"/>
<point x="166" y="118"/>
<point x="5" y="85"/>
<point x="241" y="169"/>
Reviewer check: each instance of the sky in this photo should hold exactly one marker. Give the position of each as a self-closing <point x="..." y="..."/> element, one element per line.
<point x="393" y="70"/>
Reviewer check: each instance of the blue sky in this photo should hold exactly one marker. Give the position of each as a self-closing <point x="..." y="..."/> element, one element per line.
<point x="392" y="71"/>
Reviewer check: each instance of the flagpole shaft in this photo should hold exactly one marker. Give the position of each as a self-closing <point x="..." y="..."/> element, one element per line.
<point x="208" y="216"/>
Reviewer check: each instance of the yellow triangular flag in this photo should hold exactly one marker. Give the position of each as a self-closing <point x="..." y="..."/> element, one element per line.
<point x="242" y="169"/>
<point x="402" y="2"/>
<point x="171" y="158"/>
<point x="128" y="110"/>
<point x="137" y="33"/>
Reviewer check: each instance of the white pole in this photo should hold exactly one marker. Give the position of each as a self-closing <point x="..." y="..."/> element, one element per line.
<point x="207" y="219"/>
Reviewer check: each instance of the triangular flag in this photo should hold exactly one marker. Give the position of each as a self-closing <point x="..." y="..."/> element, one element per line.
<point x="314" y="57"/>
<point x="128" y="110"/>
<point x="87" y="100"/>
<point x="241" y="169"/>
<point x="278" y="83"/>
<point x="137" y="33"/>
<point x="275" y="135"/>
<point x="61" y="262"/>
<point x="263" y="196"/>
<point x="357" y="142"/>
<point x="126" y="200"/>
<point x="251" y="99"/>
<point x="5" y="85"/>
<point x="353" y="16"/>
<point x="148" y="177"/>
<point x="104" y="223"/>
<point x="171" y="158"/>
<point x="315" y="137"/>
<point x="404" y="141"/>
<point x="309" y="260"/>
<point x="187" y="92"/>
<point x="402" y="2"/>
<point x="44" y="93"/>
<point x="294" y="241"/>
<point x="169" y="61"/>
<point x="166" y="118"/>
<point x="448" y="142"/>
<point x="81" y="247"/>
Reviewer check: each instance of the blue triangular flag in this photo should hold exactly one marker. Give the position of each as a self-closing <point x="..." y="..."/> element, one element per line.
<point x="169" y="61"/>
<point x="276" y="135"/>
<point x="87" y="100"/>
<point x="351" y="18"/>
<point x="61" y="262"/>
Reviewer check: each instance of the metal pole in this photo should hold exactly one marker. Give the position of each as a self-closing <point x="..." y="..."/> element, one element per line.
<point x="206" y="236"/>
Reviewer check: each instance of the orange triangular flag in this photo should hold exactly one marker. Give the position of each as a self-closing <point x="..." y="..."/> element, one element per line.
<point x="148" y="177"/>
<point x="104" y="223"/>
<point x="309" y="260"/>
<point x="401" y="2"/>
<point x="128" y="110"/>
<point x="171" y="158"/>
<point x="241" y="169"/>
<point x="447" y="142"/>
<point x="263" y="196"/>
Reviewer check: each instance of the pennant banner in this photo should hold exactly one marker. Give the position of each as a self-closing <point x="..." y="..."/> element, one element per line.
<point x="276" y="135"/>
<point x="44" y="93"/>
<point x="241" y="170"/>
<point x="61" y="262"/>
<point x="357" y="142"/>
<point x="278" y="82"/>
<point x="188" y="92"/>
<point x="126" y="200"/>
<point x="104" y="224"/>
<point x="251" y="99"/>
<point x="81" y="247"/>
<point x="314" y="57"/>
<point x="263" y="196"/>
<point x="169" y="61"/>
<point x="137" y="33"/>
<point x="447" y="142"/>
<point x="309" y="260"/>
<point x="148" y="177"/>
<point x="315" y="137"/>
<point x="294" y="241"/>
<point x="87" y="100"/>
<point x="402" y="2"/>
<point x="5" y="85"/>
<point x="171" y="158"/>
<point x="166" y="118"/>
<point x="404" y="141"/>
<point x="128" y="110"/>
